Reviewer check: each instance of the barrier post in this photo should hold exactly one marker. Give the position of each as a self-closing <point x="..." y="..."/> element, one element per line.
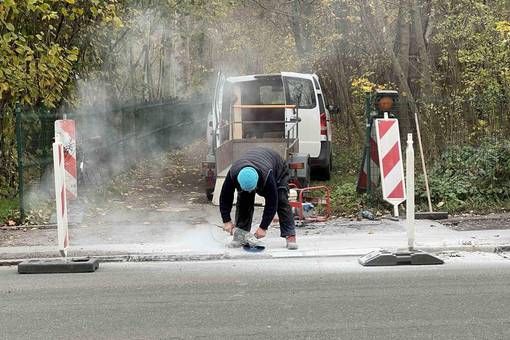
<point x="410" y="192"/>
<point x="394" y="178"/>
<point x="60" y="196"/>
<point x="64" y="264"/>
<point x="65" y="130"/>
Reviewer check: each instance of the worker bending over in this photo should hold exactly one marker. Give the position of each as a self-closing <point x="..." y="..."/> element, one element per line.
<point x="264" y="172"/>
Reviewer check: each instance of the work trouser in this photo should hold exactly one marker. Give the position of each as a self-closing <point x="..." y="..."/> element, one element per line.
<point x="245" y="208"/>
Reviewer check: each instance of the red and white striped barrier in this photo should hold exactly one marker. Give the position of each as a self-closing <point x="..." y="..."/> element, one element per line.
<point x="60" y="196"/>
<point x="374" y="166"/>
<point x="390" y="161"/>
<point x="65" y="129"/>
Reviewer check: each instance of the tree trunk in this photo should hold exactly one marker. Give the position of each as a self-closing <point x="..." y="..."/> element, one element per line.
<point x="300" y="11"/>
<point x="344" y="83"/>
<point x="404" y="36"/>
<point x="374" y="25"/>
<point x="162" y="65"/>
<point x="403" y="47"/>
<point x="425" y="62"/>
<point x="146" y="74"/>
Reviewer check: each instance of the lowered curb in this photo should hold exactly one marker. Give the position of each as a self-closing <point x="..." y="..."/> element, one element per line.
<point x="239" y="256"/>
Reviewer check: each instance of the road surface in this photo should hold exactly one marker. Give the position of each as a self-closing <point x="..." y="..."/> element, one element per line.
<point x="326" y="298"/>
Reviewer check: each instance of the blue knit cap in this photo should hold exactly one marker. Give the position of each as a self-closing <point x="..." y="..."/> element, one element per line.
<point x="248" y="178"/>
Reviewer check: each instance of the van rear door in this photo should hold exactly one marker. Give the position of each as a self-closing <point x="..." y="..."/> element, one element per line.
<point x="300" y="91"/>
<point x="214" y="119"/>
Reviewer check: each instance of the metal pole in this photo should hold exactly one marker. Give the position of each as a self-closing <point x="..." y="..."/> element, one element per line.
<point x="20" y="150"/>
<point x="423" y="161"/>
<point x="410" y="191"/>
<point x="367" y="141"/>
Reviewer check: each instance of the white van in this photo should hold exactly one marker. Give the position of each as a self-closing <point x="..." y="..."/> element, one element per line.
<point x="285" y="88"/>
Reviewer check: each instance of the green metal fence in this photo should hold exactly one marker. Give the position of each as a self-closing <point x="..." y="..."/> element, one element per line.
<point x="115" y="139"/>
<point x="34" y="134"/>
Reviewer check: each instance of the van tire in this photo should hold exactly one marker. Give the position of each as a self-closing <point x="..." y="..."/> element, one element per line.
<point x="209" y="193"/>
<point x="324" y="174"/>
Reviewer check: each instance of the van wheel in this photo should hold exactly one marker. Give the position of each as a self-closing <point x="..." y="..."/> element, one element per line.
<point x="209" y="193"/>
<point x="327" y="173"/>
<point x="329" y="169"/>
<point x="324" y="174"/>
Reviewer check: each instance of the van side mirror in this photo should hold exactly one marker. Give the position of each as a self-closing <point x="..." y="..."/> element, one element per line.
<point x="333" y="109"/>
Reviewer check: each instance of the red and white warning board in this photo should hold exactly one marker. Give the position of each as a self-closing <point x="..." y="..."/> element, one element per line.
<point x="65" y="129"/>
<point x="390" y="160"/>
<point x="60" y="196"/>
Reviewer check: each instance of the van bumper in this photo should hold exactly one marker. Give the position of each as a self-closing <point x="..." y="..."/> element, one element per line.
<point x="324" y="157"/>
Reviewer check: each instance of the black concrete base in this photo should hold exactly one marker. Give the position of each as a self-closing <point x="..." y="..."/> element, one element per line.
<point x="388" y="258"/>
<point x="49" y="266"/>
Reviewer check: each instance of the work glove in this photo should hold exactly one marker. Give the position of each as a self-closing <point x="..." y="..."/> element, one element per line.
<point x="260" y="233"/>
<point x="229" y="227"/>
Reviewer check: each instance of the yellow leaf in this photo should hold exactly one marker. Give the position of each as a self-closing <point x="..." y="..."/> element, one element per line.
<point x="118" y="22"/>
<point x="72" y="2"/>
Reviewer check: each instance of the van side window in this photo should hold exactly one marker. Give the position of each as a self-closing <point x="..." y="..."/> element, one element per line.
<point x="300" y="91"/>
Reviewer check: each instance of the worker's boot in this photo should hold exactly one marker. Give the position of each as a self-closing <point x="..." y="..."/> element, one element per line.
<point x="291" y="242"/>
<point x="238" y="239"/>
<point x="244" y="238"/>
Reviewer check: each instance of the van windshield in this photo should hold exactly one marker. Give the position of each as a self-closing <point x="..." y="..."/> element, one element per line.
<point x="300" y="91"/>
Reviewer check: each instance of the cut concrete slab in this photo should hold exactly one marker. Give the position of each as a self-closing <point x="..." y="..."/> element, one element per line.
<point x="431" y="215"/>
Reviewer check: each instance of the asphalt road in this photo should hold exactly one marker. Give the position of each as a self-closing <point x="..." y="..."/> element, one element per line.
<point x="467" y="298"/>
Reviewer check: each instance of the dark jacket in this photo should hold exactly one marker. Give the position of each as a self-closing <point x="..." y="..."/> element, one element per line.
<point x="273" y="174"/>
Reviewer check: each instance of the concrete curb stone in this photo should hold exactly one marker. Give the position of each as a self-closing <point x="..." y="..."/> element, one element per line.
<point x="231" y="256"/>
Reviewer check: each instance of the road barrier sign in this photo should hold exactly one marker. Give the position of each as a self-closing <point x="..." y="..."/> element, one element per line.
<point x="65" y="129"/>
<point x="410" y="256"/>
<point x="390" y="161"/>
<point x="60" y="196"/>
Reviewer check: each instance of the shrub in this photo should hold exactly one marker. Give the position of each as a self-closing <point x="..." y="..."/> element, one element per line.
<point x="470" y="177"/>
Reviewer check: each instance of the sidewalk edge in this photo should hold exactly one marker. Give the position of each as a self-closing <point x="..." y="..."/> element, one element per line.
<point x="226" y="256"/>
